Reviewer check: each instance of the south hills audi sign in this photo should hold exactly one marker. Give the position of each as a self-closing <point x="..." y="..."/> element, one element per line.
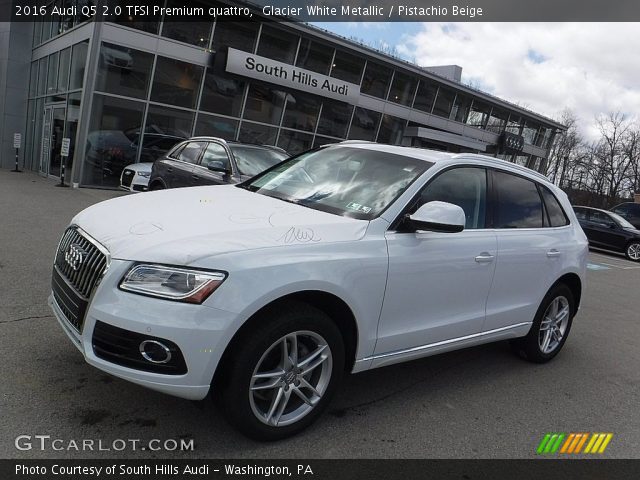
<point x="271" y="71"/>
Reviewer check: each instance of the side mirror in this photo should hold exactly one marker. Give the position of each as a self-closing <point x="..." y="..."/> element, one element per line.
<point x="218" y="166"/>
<point x="438" y="217"/>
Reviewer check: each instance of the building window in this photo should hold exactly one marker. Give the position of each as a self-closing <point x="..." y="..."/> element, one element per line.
<point x="277" y="44"/>
<point x="314" y="56"/>
<point x="33" y="80"/>
<point x="479" y="114"/>
<point x="169" y="121"/>
<point x="334" y="118"/>
<point x="402" y="89"/>
<point x="78" y="62"/>
<point x="461" y="106"/>
<point x="514" y="125"/>
<point x="364" y="124"/>
<point x="42" y="75"/>
<point x="52" y="76"/>
<point x="347" y="67"/>
<point x="183" y="30"/>
<point x="391" y="130"/>
<point x="222" y="93"/>
<point x="376" y="80"/>
<point x="255" y="133"/>
<point x="444" y="102"/>
<point x="301" y="111"/>
<point x="113" y="128"/>
<point x="425" y="96"/>
<point x="294" y="142"/>
<point x="529" y="132"/>
<point x="497" y="120"/>
<point x="264" y="104"/>
<point x="214" y="126"/>
<point x="238" y="35"/>
<point x="63" y="70"/>
<point x="123" y="71"/>
<point x="176" y="82"/>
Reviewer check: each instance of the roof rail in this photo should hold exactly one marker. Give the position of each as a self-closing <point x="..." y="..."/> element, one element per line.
<point x="501" y="162"/>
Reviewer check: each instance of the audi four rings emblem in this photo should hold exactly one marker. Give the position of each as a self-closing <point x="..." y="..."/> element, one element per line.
<point x="74" y="256"/>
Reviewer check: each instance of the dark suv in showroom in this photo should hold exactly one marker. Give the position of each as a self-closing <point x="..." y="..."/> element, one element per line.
<point x="630" y="212"/>
<point x="212" y="161"/>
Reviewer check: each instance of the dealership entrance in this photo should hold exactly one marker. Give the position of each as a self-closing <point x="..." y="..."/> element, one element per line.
<point x="52" y="135"/>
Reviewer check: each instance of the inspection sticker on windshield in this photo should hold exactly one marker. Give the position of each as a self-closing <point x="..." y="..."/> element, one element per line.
<point x="358" y="207"/>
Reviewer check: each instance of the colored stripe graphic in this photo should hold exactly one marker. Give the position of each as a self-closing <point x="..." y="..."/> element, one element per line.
<point x="572" y="443"/>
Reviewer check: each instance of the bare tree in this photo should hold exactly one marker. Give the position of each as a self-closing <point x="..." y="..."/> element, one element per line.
<point x="614" y="164"/>
<point x="565" y="149"/>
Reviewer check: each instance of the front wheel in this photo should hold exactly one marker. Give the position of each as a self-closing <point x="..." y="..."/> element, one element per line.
<point x="282" y="375"/>
<point x="633" y="251"/>
<point x="550" y="327"/>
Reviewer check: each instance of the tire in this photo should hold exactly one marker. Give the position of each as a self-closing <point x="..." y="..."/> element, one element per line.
<point x="156" y="186"/>
<point x="533" y="347"/>
<point x="632" y="252"/>
<point x="277" y="410"/>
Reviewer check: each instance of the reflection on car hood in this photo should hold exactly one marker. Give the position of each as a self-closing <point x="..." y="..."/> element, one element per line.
<point x="184" y="225"/>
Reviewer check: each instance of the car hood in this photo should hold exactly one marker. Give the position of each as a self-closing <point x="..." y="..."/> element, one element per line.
<point x="140" y="167"/>
<point x="185" y="225"/>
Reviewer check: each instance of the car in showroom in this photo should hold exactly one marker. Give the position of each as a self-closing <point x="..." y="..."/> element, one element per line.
<point x="630" y="211"/>
<point x="610" y="231"/>
<point x="342" y="259"/>
<point x="212" y="161"/>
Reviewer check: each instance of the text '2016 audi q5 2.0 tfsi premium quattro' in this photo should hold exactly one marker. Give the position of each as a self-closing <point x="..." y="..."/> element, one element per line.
<point x="346" y="258"/>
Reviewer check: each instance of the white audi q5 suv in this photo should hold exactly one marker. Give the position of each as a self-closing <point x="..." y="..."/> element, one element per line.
<point x="346" y="258"/>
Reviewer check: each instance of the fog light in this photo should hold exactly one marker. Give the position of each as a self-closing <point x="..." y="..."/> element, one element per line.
<point x="155" y="352"/>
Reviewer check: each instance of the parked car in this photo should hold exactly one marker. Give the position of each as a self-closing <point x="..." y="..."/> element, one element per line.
<point x="135" y="177"/>
<point x="212" y="161"/>
<point x="630" y="212"/>
<point x="342" y="259"/>
<point x="609" y="230"/>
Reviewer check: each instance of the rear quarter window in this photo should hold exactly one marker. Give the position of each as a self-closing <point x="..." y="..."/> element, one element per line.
<point x="518" y="202"/>
<point x="555" y="213"/>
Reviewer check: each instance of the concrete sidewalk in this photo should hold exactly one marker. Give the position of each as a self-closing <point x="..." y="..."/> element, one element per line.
<point x="33" y="215"/>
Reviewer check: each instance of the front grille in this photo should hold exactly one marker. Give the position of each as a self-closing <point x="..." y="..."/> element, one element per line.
<point x="127" y="177"/>
<point x="78" y="267"/>
<point x="122" y="347"/>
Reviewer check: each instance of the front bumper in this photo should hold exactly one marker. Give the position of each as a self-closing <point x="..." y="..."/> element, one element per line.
<point x="201" y="333"/>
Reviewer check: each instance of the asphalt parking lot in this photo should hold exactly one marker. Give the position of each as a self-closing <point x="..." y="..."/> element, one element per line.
<point x="481" y="402"/>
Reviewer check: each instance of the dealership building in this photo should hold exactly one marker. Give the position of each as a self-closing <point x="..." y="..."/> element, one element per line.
<point x="125" y="91"/>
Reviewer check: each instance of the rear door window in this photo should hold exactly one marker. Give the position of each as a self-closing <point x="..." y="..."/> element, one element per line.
<point x="518" y="203"/>
<point x="191" y="152"/>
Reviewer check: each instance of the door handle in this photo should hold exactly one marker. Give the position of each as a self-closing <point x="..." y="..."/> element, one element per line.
<point x="553" y="253"/>
<point x="169" y="169"/>
<point x="485" y="257"/>
<point x="195" y="177"/>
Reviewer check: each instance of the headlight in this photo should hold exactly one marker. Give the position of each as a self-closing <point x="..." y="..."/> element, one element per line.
<point x="144" y="174"/>
<point x="172" y="283"/>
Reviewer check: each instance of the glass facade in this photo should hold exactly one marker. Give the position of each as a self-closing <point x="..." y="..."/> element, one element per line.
<point x="145" y="101"/>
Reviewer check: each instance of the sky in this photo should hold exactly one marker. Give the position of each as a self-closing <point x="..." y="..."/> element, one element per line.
<point x="591" y="68"/>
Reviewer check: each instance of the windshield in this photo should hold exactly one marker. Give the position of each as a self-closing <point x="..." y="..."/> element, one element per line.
<point x="621" y="221"/>
<point x="354" y="182"/>
<point x="254" y="160"/>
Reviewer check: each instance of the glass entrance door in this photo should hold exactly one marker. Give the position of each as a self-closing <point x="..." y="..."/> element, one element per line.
<point x="52" y="135"/>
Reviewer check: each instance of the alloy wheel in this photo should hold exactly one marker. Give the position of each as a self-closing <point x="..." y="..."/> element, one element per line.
<point x="554" y="324"/>
<point x="633" y="251"/>
<point x="290" y="378"/>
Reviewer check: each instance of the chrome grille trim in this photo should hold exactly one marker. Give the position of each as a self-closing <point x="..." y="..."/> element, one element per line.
<point x="86" y="277"/>
<point x="75" y="281"/>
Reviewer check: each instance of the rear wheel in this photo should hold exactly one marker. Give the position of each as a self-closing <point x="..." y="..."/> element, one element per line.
<point x="550" y="327"/>
<point x="281" y="376"/>
<point x="633" y="251"/>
